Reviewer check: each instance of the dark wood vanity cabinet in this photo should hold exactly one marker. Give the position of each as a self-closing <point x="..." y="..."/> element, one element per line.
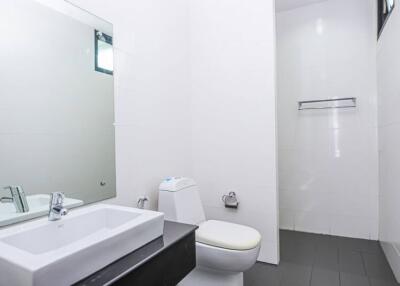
<point x="162" y="262"/>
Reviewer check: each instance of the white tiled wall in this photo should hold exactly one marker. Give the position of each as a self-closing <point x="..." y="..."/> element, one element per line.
<point x="233" y="112"/>
<point x="328" y="171"/>
<point x="389" y="139"/>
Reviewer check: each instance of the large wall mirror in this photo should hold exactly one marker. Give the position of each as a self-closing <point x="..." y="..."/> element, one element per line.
<point x="56" y="107"/>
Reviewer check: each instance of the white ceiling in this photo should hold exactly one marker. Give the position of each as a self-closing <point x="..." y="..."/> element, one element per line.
<point x="283" y="5"/>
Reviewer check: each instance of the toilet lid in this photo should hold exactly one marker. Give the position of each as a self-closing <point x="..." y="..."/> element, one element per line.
<point x="227" y="235"/>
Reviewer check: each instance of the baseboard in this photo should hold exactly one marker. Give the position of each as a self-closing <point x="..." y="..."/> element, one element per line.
<point x="392" y="253"/>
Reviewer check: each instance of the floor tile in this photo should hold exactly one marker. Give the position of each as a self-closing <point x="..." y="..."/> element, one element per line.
<point x="374" y="247"/>
<point x="377" y="267"/>
<point x="297" y="237"/>
<point x="327" y="258"/>
<point x="295" y="275"/>
<point x="318" y="260"/>
<point x="376" y="282"/>
<point x="248" y="278"/>
<point x="262" y="274"/>
<point x="246" y="282"/>
<point x="321" y="277"/>
<point x="348" y="279"/>
<point x="351" y="262"/>
<point x="326" y="242"/>
<point x="299" y="253"/>
<point x="352" y="244"/>
<point x="285" y="235"/>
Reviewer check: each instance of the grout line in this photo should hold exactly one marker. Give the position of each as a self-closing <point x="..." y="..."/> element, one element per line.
<point x="363" y="262"/>
<point x="315" y="248"/>
<point x="338" y="264"/>
<point x="338" y="258"/>
<point x="365" y="267"/>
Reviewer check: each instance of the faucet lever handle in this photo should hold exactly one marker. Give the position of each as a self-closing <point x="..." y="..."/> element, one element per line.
<point x="60" y="198"/>
<point x="57" y="198"/>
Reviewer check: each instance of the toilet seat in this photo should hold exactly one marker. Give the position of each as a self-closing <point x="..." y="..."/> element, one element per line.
<point x="228" y="235"/>
<point x="221" y="259"/>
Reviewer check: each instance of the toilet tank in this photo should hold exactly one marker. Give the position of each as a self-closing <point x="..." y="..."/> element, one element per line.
<point x="179" y="200"/>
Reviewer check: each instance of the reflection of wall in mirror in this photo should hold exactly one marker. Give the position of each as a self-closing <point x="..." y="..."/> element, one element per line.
<point x="56" y="112"/>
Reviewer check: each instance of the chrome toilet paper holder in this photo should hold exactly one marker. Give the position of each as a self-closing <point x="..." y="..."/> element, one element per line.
<point x="230" y="200"/>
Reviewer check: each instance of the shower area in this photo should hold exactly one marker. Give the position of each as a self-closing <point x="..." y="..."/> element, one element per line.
<point x="327" y="117"/>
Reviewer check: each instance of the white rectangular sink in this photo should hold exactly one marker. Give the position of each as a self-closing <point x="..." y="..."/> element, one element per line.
<point x="44" y="253"/>
<point x="38" y="206"/>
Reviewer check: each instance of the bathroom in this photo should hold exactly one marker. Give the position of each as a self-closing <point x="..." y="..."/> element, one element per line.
<point x="213" y="142"/>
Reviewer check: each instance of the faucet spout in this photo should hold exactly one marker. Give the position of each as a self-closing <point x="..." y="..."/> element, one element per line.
<point x="56" y="209"/>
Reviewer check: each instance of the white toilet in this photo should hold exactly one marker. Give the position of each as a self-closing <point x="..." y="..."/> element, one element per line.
<point x="224" y="250"/>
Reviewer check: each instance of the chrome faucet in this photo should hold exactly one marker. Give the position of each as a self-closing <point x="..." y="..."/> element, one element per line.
<point x="17" y="197"/>
<point x="57" y="209"/>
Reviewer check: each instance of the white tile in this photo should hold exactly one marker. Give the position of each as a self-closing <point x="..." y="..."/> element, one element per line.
<point x="286" y="219"/>
<point x="348" y="226"/>
<point x="312" y="222"/>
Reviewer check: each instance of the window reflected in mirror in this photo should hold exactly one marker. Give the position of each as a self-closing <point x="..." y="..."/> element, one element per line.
<point x="104" y="53"/>
<point x="385" y="8"/>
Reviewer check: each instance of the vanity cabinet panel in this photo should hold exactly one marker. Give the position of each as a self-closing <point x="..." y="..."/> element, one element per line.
<point x="163" y="262"/>
<point x="166" y="269"/>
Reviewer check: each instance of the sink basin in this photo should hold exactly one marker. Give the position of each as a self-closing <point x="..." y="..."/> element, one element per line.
<point x="44" y="253"/>
<point x="38" y="206"/>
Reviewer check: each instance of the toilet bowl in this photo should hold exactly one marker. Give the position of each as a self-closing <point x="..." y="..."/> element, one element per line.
<point x="223" y="250"/>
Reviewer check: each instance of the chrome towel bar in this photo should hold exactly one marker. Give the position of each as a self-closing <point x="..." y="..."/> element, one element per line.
<point x="312" y="102"/>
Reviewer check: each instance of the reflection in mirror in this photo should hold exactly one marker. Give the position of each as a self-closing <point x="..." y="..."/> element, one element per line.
<point x="56" y="107"/>
<point x="385" y="8"/>
<point x="104" y="53"/>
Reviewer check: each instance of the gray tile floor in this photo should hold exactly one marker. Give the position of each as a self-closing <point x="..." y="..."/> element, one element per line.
<point x="322" y="260"/>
